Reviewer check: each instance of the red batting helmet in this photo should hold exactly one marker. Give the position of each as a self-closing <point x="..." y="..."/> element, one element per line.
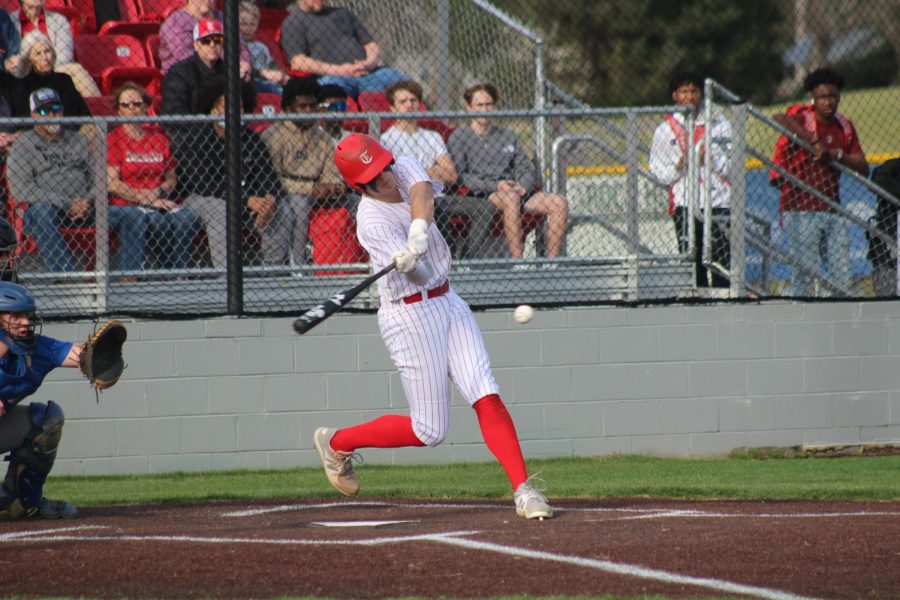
<point x="360" y="159"/>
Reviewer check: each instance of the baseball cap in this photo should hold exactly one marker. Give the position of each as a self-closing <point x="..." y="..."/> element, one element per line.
<point x="42" y="96"/>
<point x="207" y="27"/>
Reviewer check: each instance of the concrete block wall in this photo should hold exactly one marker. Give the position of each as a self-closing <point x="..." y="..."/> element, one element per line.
<point x="673" y="381"/>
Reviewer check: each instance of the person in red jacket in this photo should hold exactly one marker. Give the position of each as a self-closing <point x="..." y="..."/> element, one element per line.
<point x="814" y="228"/>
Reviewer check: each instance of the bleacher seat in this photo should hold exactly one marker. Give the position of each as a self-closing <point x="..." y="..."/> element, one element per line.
<point x="332" y="232"/>
<point x="114" y="59"/>
<point x="270" y="20"/>
<point x="266" y="104"/>
<point x="140" y="30"/>
<point x="85" y="10"/>
<point x="152" y="46"/>
<point x="158" y="10"/>
<point x="100" y="106"/>
<point x="355" y="125"/>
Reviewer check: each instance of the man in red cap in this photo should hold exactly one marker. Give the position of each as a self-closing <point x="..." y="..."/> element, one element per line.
<point x="204" y="65"/>
<point x="175" y="34"/>
<point x="430" y="332"/>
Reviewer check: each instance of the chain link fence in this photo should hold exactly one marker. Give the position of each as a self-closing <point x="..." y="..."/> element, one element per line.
<point x="126" y="212"/>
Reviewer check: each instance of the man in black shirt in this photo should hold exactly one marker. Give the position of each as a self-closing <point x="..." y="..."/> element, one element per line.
<point x="201" y="178"/>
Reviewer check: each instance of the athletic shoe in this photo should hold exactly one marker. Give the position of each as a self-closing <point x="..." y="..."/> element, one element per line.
<point x="530" y="503"/>
<point x="57" y="509"/>
<point x="337" y="465"/>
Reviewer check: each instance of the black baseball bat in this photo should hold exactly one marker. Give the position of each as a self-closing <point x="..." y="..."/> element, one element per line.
<point x="316" y="315"/>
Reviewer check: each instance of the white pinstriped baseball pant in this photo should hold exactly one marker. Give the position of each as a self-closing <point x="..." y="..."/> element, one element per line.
<point x="433" y="342"/>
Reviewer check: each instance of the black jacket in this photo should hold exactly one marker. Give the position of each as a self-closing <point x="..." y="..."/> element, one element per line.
<point x="182" y="79"/>
<point x="201" y="164"/>
<point x="20" y="91"/>
<point x="888" y="177"/>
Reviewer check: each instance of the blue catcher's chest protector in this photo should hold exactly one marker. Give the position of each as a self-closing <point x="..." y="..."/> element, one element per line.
<point x="22" y="374"/>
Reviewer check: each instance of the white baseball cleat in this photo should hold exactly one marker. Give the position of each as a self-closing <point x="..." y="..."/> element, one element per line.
<point x="530" y="503"/>
<point x="337" y="465"/>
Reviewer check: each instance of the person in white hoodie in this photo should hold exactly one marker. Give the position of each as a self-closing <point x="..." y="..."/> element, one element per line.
<point x="668" y="163"/>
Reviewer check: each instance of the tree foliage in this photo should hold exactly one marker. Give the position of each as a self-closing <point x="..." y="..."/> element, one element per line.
<point x="622" y="52"/>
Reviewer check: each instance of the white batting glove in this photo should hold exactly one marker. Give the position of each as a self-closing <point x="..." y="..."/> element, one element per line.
<point x="417" y="241"/>
<point x="405" y="261"/>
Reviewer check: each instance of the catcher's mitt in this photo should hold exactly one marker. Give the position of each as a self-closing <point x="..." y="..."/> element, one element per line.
<point x="101" y="357"/>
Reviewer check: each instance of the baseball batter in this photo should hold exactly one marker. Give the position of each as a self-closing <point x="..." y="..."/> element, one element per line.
<point x="429" y="330"/>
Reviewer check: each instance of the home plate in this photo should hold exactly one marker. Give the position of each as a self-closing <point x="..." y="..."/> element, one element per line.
<point x="358" y="523"/>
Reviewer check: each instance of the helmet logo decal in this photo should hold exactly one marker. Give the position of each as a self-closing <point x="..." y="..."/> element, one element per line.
<point x="365" y="158"/>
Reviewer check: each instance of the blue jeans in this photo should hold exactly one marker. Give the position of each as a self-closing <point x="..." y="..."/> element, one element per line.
<point x="815" y="236"/>
<point x="375" y="81"/>
<point x="43" y="220"/>
<point x="170" y="236"/>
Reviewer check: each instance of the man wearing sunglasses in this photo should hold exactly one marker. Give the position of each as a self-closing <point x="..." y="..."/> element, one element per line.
<point x="50" y="169"/>
<point x="333" y="99"/>
<point x="204" y="66"/>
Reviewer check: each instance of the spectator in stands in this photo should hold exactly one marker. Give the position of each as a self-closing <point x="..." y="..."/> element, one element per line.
<point x="33" y="17"/>
<point x="333" y="98"/>
<point x="10" y="41"/>
<point x="266" y="75"/>
<point x="815" y="230"/>
<point x="668" y="163"/>
<point x="201" y="175"/>
<point x="406" y="138"/>
<point x="141" y="177"/>
<point x="7" y="132"/>
<point x="39" y="59"/>
<point x="50" y="169"/>
<point x="331" y="41"/>
<point x="204" y="65"/>
<point x="303" y="155"/>
<point x="176" y="40"/>
<point x="884" y="261"/>
<point x="492" y="164"/>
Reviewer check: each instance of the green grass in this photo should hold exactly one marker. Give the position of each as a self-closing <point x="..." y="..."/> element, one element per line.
<point x="739" y="477"/>
<point x="873" y="112"/>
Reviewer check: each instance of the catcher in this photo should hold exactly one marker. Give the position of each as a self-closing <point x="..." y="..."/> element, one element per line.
<point x="31" y="433"/>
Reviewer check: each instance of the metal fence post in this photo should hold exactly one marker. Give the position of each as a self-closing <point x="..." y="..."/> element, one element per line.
<point x="631" y="183"/>
<point x="737" y="175"/>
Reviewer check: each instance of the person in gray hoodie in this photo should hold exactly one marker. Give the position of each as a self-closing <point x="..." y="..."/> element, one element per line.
<point x="493" y="164"/>
<point x="50" y="169"/>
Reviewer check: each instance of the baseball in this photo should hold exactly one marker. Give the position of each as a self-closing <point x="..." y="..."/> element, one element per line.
<point x="523" y="313"/>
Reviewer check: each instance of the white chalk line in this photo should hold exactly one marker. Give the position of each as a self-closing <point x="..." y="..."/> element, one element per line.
<point x="626" y="569"/>
<point x="454" y="538"/>
<point x="16" y="535"/>
<point x="641" y="513"/>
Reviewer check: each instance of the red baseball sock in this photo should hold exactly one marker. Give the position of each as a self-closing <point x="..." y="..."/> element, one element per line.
<point x="389" y="431"/>
<point x="499" y="434"/>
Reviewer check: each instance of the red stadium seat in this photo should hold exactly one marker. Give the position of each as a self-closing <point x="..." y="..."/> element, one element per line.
<point x="158" y="10"/>
<point x="275" y="50"/>
<point x="140" y="30"/>
<point x="270" y="20"/>
<point x="100" y="106"/>
<point x="332" y="232"/>
<point x="266" y="104"/>
<point x="114" y="59"/>
<point x="129" y="10"/>
<point x="152" y="47"/>
<point x="85" y="10"/>
<point x="355" y="125"/>
<point x="80" y="21"/>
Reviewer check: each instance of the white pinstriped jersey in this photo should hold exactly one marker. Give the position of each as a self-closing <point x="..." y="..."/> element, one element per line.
<point x="383" y="227"/>
<point x="433" y="341"/>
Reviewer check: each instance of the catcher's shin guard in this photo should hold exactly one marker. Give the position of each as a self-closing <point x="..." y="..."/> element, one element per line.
<point x="30" y="463"/>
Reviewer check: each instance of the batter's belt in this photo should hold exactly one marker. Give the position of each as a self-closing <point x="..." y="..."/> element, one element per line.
<point x="432" y="293"/>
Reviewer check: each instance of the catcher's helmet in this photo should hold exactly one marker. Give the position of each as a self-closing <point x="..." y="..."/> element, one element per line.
<point x="15" y="299"/>
<point x="360" y="159"/>
<point x="9" y="244"/>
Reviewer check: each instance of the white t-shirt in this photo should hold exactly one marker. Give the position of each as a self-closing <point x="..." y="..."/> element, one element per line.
<point x="383" y="227"/>
<point x="424" y="145"/>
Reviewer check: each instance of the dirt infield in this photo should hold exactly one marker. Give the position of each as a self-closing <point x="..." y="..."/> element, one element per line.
<point x="375" y="548"/>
